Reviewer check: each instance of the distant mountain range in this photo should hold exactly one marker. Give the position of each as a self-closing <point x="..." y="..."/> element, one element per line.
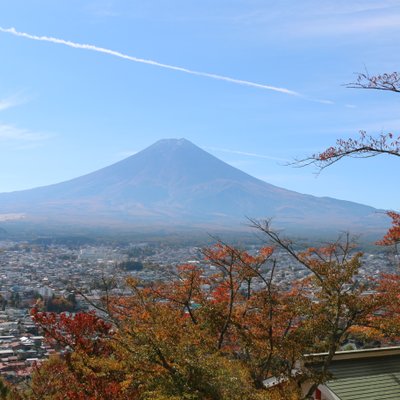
<point x="174" y="183"/>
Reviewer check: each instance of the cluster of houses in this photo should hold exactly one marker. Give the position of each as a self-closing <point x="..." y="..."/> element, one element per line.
<point x="21" y="345"/>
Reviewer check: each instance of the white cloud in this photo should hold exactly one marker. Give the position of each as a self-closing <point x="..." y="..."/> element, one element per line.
<point x="247" y="154"/>
<point x="126" y="153"/>
<point x="144" y="61"/>
<point x="323" y="17"/>
<point x="344" y="7"/>
<point x="322" y="101"/>
<point x="10" y="133"/>
<point x="5" y="104"/>
<point x="351" y="24"/>
<point x="10" y="102"/>
<point x="344" y="17"/>
<point x="14" y="100"/>
<point x="102" y="9"/>
<point x="118" y="54"/>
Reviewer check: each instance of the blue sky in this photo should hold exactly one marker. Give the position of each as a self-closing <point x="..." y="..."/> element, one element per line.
<point x="66" y="111"/>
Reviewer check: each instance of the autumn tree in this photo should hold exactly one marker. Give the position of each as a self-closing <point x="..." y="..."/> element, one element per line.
<point x="158" y="345"/>
<point x="366" y="145"/>
<point x="212" y="332"/>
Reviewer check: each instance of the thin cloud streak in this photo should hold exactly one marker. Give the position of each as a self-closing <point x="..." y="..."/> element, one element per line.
<point x="125" y="154"/>
<point x="348" y="24"/>
<point x="245" y="153"/>
<point x="118" y="54"/>
<point x="13" y="101"/>
<point x="7" y="103"/>
<point x="10" y="133"/>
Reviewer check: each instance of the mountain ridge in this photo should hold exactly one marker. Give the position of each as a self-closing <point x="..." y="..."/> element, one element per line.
<point x="175" y="182"/>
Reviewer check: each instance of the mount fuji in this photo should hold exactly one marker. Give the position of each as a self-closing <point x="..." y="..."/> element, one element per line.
<point x="175" y="183"/>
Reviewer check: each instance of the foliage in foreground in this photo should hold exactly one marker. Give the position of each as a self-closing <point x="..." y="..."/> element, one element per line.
<point x="216" y="333"/>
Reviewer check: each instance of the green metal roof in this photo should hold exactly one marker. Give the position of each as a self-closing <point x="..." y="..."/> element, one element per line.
<point x="375" y="378"/>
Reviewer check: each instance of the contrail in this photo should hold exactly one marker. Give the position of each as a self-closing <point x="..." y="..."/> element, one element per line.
<point x="114" y="53"/>
<point x="245" y="153"/>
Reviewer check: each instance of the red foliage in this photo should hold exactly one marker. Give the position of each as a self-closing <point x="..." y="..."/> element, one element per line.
<point x="364" y="146"/>
<point x="392" y="237"/>
<point x="81" y="332"/>
<point x="172" y="337"/>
